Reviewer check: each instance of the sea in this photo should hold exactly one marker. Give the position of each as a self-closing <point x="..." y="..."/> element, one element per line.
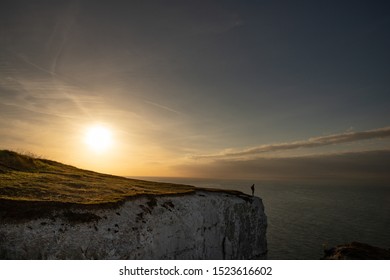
<point x="304" y="219"/>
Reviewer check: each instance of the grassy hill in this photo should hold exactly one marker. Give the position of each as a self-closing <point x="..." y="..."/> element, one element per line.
<point x="25" y="178"/>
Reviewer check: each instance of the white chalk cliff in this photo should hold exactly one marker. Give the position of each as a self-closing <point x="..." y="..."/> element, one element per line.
<point x="198" y="225"/>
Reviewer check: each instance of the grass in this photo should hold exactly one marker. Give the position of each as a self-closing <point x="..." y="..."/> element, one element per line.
<point x="24" y="178"/>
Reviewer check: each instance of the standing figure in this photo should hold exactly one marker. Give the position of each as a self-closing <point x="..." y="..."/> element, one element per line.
<point x="253" y="190"/>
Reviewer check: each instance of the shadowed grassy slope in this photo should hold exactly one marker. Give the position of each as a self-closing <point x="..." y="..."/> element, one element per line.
<point x="25" y="178"/>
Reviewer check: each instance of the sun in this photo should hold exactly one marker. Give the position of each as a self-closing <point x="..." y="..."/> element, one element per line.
<point x="98" y="138"/>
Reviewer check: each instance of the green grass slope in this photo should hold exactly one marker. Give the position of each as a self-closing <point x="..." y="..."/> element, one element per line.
<point x="25" y="178"/>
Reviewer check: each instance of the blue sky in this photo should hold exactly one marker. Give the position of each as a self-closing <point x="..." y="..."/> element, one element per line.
<point x="177" y="80"/>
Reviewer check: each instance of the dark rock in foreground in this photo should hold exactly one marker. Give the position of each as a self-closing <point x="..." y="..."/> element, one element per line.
<point x="356" y="251"/>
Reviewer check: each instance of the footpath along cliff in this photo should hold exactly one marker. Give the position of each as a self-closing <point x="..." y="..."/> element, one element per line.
<point x="53" y="211"/>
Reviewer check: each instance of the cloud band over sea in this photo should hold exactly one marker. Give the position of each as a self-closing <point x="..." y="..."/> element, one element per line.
<point x="309" y="143"/>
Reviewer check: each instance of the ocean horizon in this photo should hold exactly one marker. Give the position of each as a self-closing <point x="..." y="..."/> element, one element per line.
<point x="303" y="218"/>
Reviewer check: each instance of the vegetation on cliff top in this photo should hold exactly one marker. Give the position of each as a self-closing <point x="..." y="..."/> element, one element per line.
<point x="28" y="178"/>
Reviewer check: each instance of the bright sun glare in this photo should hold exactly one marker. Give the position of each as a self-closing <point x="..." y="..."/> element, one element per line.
<point x="98" y="138"/>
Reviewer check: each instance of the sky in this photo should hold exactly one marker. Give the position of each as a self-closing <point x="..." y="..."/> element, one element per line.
<point x="273" y="90"/>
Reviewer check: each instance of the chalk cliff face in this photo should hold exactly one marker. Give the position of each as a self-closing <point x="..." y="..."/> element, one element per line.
<point x="197" y="225"/>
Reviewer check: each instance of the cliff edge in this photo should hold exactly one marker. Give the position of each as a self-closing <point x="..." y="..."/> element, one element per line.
<point x="54" y="211"/>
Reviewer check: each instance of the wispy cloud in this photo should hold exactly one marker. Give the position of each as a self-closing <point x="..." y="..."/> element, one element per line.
<point x="63" y="28"/>
<point x="162" y="107"/>
<point x="43" y="91"/>
<point x="309" y="143"/>
<point x="368" y="167"/>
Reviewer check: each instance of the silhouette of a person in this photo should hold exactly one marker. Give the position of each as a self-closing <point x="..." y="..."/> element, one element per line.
<point x="253" y="190"/>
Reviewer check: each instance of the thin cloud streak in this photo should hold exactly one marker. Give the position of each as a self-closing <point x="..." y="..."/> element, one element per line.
<point x="65" y="24"/>
<point x="50" y="86"/>
<point x="370" y="167"/>
<point x="162" y="107"/>
<point x="309" y="143"/>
